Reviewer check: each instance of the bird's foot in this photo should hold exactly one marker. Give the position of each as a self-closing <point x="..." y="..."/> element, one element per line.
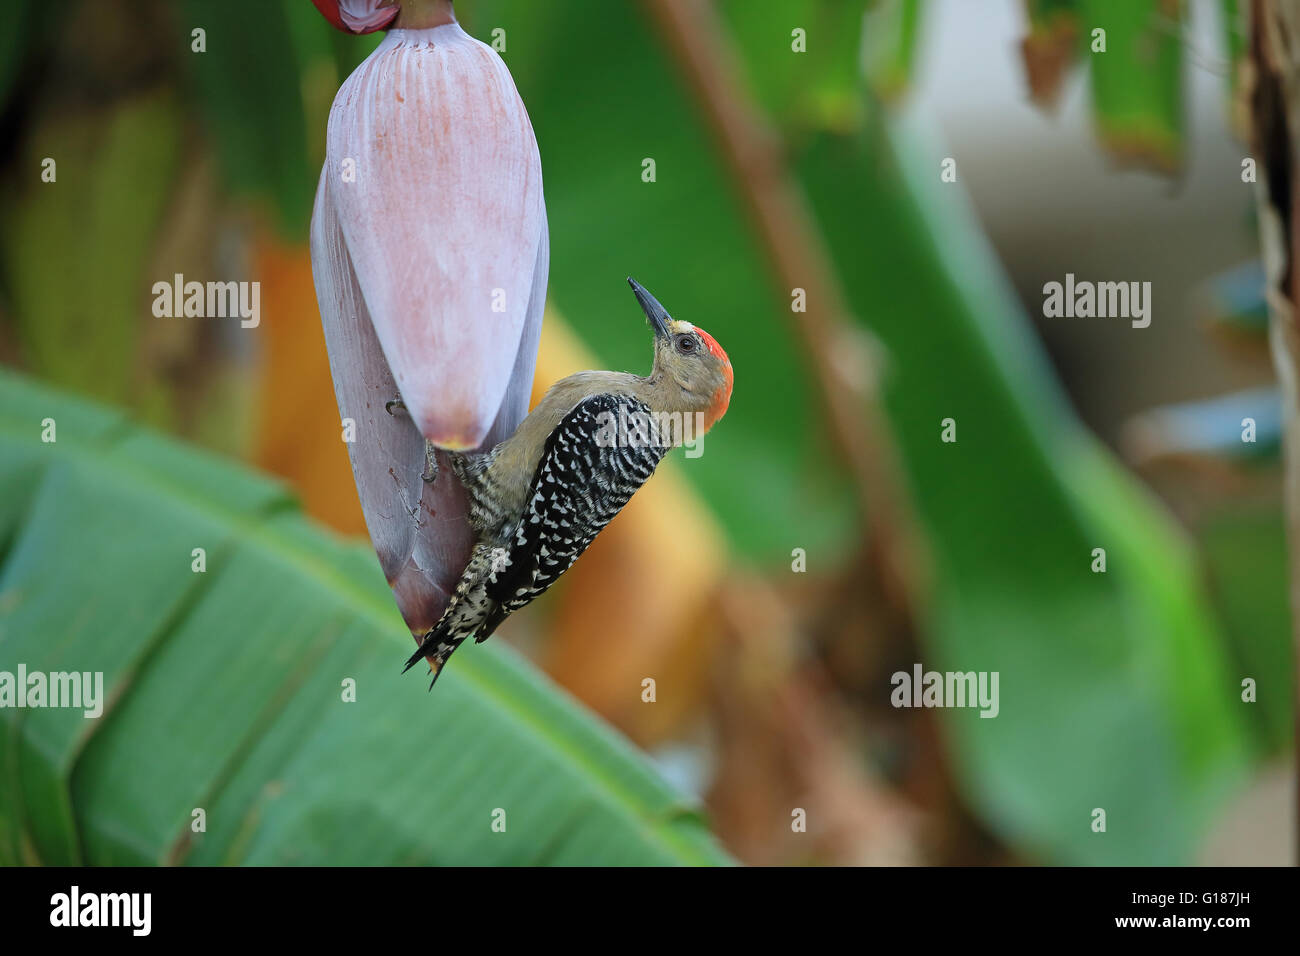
<point x="430" y="473"/>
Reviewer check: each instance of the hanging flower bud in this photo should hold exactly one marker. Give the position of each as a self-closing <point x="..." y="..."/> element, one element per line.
<point x="442" y="218"/>
<point x="430" y="254"/>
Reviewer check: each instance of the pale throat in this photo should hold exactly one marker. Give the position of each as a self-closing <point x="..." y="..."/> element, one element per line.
<point x="671" y="394"/>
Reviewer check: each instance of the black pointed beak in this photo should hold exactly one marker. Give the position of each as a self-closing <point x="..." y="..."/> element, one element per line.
<point x="656" y="313"/>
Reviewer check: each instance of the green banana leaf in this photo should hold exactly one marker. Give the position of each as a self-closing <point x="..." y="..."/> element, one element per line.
<point x="226" y="688"/>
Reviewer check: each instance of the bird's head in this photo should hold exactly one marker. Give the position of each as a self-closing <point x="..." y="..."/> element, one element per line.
<point x="688" y="358"/>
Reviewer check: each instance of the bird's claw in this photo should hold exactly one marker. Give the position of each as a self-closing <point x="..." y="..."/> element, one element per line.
<point x="430" y="473"/>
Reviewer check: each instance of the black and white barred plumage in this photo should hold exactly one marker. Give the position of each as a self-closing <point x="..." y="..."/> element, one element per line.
<point x="603" y="450"/>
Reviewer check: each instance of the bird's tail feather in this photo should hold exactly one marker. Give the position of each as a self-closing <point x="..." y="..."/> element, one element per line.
<point x="438" y="647"/>
<point x="455" y="625"/>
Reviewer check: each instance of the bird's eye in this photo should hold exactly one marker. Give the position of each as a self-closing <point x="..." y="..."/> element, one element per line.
<point x="686" y="344"/>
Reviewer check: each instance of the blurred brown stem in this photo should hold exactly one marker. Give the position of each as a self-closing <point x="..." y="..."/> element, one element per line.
<point x="1271" y="93"/>
<point x="787" y="745"/>
<point x="794" y="246"/>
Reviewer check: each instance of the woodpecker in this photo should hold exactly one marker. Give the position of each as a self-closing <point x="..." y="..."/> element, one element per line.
<point x="539" y="498"/>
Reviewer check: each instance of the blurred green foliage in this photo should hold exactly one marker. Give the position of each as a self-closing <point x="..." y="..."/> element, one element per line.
<point x="890" y="37"/>
<point x="1137" y="82"/>
<point x="257" y="117"/>
<point x="115" y="171"/>
<point x="1246" y="567"/>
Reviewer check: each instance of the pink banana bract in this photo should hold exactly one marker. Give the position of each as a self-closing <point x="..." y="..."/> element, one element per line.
<point x="430" y="255"/>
